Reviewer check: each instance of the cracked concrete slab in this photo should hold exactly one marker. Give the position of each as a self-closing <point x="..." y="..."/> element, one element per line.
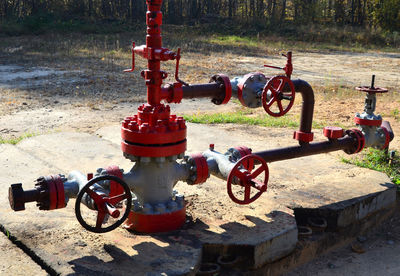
<point x="261" y="232"/>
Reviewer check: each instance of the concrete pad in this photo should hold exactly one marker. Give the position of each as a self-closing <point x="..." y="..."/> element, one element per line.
<point x="261" y="232"/>
<point x="13" y="260"/>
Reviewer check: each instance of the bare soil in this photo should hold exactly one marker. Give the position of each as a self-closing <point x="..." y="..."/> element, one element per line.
<point x="77" y="84"/>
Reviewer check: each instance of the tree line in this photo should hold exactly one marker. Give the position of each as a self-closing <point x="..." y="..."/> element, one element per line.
<point x="367" y="13"/>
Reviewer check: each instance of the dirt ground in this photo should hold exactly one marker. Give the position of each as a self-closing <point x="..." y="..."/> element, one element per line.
<point x="52" y="83"/>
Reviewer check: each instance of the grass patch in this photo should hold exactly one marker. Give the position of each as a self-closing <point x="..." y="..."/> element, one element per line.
<point x="379" y="160"/>
<point x="16" y="140"/>
<point x="246" y="118"/>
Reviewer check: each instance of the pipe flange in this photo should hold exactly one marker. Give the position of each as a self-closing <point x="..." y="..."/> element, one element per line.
<point x="250" y="89"/>
<point x="199" y="171"/>
<point x="225" y="83"/>
<point x="359" y="141"/>
<point x="387" y="137"/>
<point x="243" y="151"/>
<point x="52" y="192"/>
<point x="305" y="137"/>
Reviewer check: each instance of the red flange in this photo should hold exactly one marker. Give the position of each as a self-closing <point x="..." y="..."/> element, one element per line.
<point x="153" y="132"/>
<point x="201" y="168"/>
<point x="155" y="223"/>
<point x="366" y="122"/>
<point x="248" y="180"/>
<point x="303" y="136"/>
<point x="223" y="80"/>
<point x="387" y="137"/>
<point x="243" y="150"/>
<point x="333" y="132"/>
<point x="360" y="140"/>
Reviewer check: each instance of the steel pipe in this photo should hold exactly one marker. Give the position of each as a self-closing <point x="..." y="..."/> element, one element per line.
<point x="209" y="90"/>
<point x="307" y="109"/>
<point x="280" y="154"/>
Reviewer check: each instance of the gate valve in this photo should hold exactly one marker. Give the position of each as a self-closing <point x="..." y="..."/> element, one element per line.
<point x="133" y="60"/>
<point x="247" y="179"/>
<point x="104" y="204"/>
<point x="332" y="132"/>
<point x="274" y="92"/>
<point x="368" y="118"/>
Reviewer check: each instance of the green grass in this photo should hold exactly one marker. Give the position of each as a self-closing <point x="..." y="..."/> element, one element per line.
<point x="16" y="140"/>
<point x="246" y="118"/>
<point x="378" y="160"/>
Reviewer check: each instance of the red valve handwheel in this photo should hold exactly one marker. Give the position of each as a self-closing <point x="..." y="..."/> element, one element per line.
<point x="276" y="86"/>
<point x="248" y="179"/>
<point x="371" y="90"/>
<point x="104" y="204"/>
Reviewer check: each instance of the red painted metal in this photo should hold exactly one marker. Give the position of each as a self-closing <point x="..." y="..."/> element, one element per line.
<point x="333" y="132"/>
<point x="387" y="137"/>
<point x="371" y="90"/>
<point x="133" y="59"/>
<point x="288" y="67"/>
<point x="248" y="179"/>
<point x="153" y="151"/>
<point x="366" y="122"/>
<point x="359" y="140"/>
<point x="226" y="83"/>
<point x="115" y="188"/>
<point x="155" y="223"/>
<point x="276" y="86"/>
<point x="243" y="150"/>
<point x="303" y="136"/>
<point x="52" y="193"/>
<point x="201" y="167"/>
<point x="59" y="185"/>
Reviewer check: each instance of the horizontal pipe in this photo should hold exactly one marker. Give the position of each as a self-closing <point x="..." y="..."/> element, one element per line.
<point x="209" y="90"/>
<point x="274" y="155"/>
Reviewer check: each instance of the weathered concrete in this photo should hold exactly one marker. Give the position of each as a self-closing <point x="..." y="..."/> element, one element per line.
<point x="261" y="232"/>
<point x="13" y="261"/>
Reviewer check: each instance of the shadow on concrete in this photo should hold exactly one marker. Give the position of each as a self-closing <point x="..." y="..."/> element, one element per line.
<point x="179" y="252"/>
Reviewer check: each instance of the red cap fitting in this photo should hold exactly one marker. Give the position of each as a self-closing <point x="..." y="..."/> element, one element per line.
<point x="303" y="136"/>
<point x="201" y="168"/>
<point x="333" y="132"/>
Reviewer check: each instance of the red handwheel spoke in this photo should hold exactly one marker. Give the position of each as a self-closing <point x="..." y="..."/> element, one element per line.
<point x="247" y="189"/>
<point x="280" y="106"/>
<point x="281" y="85"/>
<point x="100" y="218"/>
<point x="95" y="196"/>
<point x="115" y="199"/>
<point x="239" y="174"/>
<point x="248" y="179"/>
<point x="271" y="102"/>
<point x="276" y="85"/>
<point x="257" y="172"/>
